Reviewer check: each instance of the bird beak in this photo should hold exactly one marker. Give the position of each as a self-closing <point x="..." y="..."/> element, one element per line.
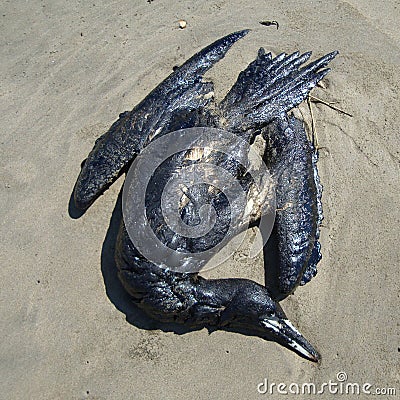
<point x="289" y="336"/>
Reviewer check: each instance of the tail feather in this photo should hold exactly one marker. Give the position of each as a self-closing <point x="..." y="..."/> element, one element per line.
<point x="301" y="86"/>
<point x="269" y="87"/>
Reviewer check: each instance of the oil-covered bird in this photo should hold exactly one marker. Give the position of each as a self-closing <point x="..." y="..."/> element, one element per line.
<point x="258" y="103"/>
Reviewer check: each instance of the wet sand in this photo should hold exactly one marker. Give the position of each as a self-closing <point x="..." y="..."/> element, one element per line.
<point x="68" y="330"/>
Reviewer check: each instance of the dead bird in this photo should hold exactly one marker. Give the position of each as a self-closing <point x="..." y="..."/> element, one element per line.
<point x="266" y="90"/>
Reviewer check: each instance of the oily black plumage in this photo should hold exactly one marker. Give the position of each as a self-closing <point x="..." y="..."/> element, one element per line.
<point x="180" y="95"/>
<point x="263" y="93"/>
<point x="292" y="159"/>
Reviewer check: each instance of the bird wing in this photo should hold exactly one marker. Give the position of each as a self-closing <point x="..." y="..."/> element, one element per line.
<point x="181" y="93"/>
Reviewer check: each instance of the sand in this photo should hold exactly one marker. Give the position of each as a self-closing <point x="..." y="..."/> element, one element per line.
<point x="67" y="70"/>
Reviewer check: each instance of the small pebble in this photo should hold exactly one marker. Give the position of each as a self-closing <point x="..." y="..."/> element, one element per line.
<point x="182" y="23"/>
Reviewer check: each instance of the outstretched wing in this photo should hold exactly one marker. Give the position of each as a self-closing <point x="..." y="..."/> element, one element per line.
<point x="182" y="92"/>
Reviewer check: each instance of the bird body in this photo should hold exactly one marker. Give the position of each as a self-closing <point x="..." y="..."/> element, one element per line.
<point x="257" y="103"/>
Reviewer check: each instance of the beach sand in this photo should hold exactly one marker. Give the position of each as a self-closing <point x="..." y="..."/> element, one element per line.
<point x="68" y="331"/>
